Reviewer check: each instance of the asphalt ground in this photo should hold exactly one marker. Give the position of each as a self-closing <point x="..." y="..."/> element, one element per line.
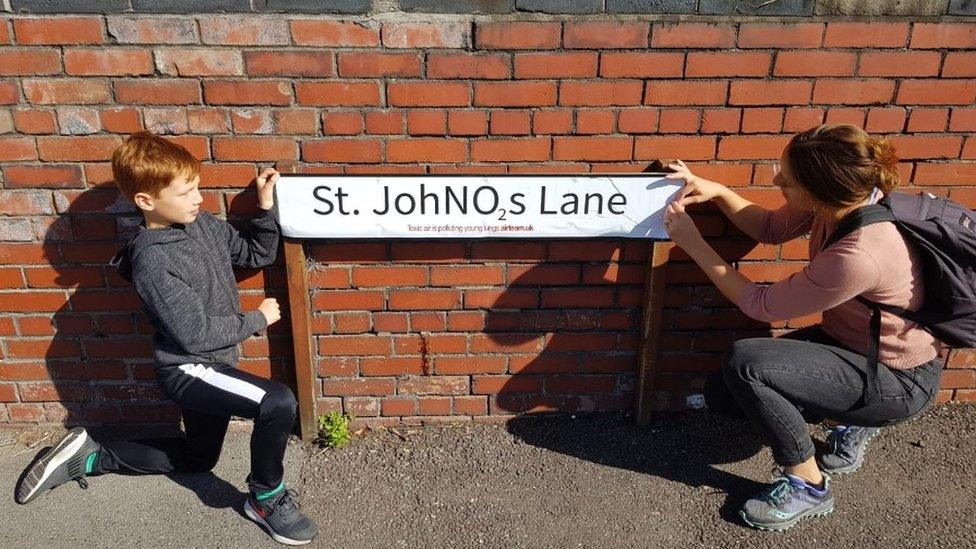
<point x="592" y="480"/>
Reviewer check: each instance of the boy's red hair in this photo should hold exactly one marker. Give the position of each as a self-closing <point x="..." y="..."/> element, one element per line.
<point x="147" y="163"/>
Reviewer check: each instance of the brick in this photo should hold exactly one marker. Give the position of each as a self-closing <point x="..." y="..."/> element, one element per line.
<point x="244" y="30"/>
<point x="208" y="120"/>
<point x="592" y="148"/>
<point x="943" y="35"/>
<point x="663" y="92"/>
<point x="762" y="120"/>
<point x="254" y="148"/>
<point x="425" y="35"/>
<point x="692" y="35"/>
<point x="944" y="174"/>
<point x="686" y="148"/>
<point x="490" y="385"/>
<point x="78" y="121"/>
<point x="61" y="30"/>
<point x="4" y="33"/>
<point x="107" y="62"/>
<point x="357" y="386"/>
<point x="338" y="94"/>
<point x="814" y="63"/>
<point x="335" y="33"/>
<point x="401" y="300"/>
<point x="235" y="92"/>
<point x="373" y="65"/>
<point x="464" y="65"/>
<point x="166" y="91"/>
<point x="595" y="122"/>
<point x="66" y="91"/>
<point x="641" y="65"/>
<point x="257" y="121"/>
<point x="938" y="92"/>
<point x="958" y="379"/>
<point x="517" y="36"/>
<point x="288" y="63"/>
<point x="635" y="121"/>
<point x="866" y="35"/>
<point x="121" y="120"/>
<point x="853" y="92"/>
<point x="721" y="120"/>
<point x="552" y="121"/>
<point x="959" y="64"/>
<point x="433" y="385"/>
<point x="342" y="123"/>
<point x="49" y="175"/>
<point x="426" y="150"/>
<point x="604" y="93"/>
<point x="907" y="63"/>
<point x="780" y="35"/>
<point x="427" y="122"/>
<point x="199" y="62"/>
<point x="782" y="92"/>
<point x="885" y="119"/>
<point x="599" y="35"/>
<point x="514" y="94"/>
<point x="344" y="150"/>
<point x="17" y="148"/>
<point x="295" y="121"/>
<point x="926" y="147"/>
<point x="752" y="147"/>
<point x="556" y="65"/>
<point x="9" y="93"/>
<point x="392" y="366"/>
<point x="39" y="301"/>
<point x="34" y="121"/>
<point x="428" y="94"/>
<point x="510" y="150"/>
<point x="704" y="64"/>
<point x="845" y="115"/>
<point x="467" y="123"/>
<point x="962" y="120"/>
<point x="155" y="30"/>
<point x="29" y="61"/>
<point x="928" y="120"/>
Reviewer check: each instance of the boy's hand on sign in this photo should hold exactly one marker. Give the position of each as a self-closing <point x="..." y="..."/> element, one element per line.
<point x="680" y="227"/>
<point x="696" y="189"/>
<point x="265" y="183"/>
<point x="271" y="310"/>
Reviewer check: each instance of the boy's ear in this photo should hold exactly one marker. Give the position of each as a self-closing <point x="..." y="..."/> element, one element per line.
<point x="144" y="202"/>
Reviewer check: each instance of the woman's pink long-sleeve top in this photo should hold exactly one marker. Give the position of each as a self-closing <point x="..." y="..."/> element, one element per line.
<point x="874" y="261"/>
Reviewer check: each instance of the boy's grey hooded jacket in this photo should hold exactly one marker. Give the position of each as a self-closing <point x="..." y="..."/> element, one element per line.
<point x="185" y="279"/>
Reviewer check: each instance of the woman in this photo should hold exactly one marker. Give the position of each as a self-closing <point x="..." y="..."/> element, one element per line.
<point x="824" y="173"/>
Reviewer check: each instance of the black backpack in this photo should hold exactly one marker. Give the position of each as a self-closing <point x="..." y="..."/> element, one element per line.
<point x="944" y="234"/>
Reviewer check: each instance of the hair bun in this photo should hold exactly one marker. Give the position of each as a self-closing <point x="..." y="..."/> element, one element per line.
<point x="883" y="153"/>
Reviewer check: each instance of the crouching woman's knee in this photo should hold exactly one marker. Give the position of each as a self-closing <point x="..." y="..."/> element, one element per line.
<point x="278" y="404"/>
<point x="743" y="361"/>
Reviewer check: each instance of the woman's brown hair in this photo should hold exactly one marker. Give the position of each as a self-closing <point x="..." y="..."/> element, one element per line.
<point x="840" y="164"/>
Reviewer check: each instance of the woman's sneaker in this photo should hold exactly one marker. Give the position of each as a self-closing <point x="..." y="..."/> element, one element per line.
<point x="281" y="518"/>
<point x="789" y="500"/>
<point x="69" y="459"/>
<point x="847" y="448"/>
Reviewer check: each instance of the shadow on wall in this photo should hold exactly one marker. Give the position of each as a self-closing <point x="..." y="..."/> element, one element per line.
<point x="98" y="366"/>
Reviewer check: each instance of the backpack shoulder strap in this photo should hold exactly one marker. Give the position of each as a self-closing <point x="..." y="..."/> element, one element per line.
<point x="861" y="217"/>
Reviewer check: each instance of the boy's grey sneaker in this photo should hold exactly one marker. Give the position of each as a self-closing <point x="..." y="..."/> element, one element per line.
<point x="281" y="518"/>
<point x="786" y="502"/>
<point x="847" y="447"/>
<point x="66" y="461"/>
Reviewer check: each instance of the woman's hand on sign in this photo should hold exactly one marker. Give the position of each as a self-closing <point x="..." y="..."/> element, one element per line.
<point x="271" y="310"/>
<point x="266" y="183"/>
<point x="680" y="227"/>
<point x="696" y="189"/>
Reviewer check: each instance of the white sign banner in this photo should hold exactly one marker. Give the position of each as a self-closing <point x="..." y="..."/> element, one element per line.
<point x="449" y="206"/>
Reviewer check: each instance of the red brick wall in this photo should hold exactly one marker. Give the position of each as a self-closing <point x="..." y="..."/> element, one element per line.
<point x="424" y="329"/>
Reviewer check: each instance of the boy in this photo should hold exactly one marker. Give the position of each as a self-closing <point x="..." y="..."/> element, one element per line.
<point x="180" y="262"/>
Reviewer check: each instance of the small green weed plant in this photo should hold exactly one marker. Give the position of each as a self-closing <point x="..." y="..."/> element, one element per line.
<point x="334" y="429"/>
